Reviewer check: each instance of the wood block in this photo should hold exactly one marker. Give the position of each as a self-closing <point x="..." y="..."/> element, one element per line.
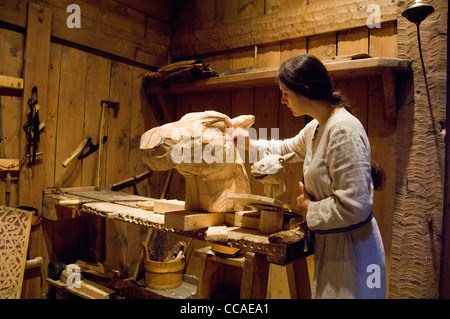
<point x="246" y="219"/>
<point x="270" y="221"/>
<point x="162" y="206"/>
<point x="147" y="205"/>
<point x="191" y="220"/>
<point x="263" y="202"/>
<point x="217" y="234"/>
<point x="11" y="82"/>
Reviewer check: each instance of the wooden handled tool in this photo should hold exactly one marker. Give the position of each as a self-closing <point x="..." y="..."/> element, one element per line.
<point x="102" y="138"/>
<point x="77" y="151"/>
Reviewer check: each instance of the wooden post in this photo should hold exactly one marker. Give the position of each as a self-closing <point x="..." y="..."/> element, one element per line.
<point x="35" y="74"/>
<point x="207" y="281"/>
<point x="36" y="60"/>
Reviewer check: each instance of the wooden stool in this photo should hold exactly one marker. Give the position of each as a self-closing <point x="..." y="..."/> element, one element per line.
<point x="255" y="272"/>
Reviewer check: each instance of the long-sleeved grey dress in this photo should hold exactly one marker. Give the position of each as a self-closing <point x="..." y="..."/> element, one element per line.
<point x="337" y="175"/>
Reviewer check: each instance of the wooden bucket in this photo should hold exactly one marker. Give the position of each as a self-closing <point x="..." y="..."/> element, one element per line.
<point x="163" y="275"/>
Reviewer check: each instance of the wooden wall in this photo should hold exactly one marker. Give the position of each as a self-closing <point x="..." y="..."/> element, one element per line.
<point x="74" y="71"/>
<point x="365" y="95"/>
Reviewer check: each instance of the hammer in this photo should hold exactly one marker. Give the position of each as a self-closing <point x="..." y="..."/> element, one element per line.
<point x="102" y="137"/>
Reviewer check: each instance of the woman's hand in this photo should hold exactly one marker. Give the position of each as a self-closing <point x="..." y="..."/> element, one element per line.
<point x="303" y="200"/>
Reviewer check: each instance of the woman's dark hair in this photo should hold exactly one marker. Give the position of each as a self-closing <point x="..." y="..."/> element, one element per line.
<point x="378" y="175"/>
<point x="306" y="75"/>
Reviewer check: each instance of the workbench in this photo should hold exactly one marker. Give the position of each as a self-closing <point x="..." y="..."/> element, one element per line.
<point x="75" y="202"/>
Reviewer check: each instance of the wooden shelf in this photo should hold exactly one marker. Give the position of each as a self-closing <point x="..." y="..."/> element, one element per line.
<point x="10" y="85"/>
<point x="348" y="69"/>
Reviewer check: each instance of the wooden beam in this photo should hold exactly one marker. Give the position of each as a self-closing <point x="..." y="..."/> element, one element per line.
<point x="160" y="9"/>
<point x="318" y="18"/>
<point x="9" y="164"/>
<point x="363" y="68"/>
<point x="121" y="39"/>
<point x="36" y="61"/>
<point x="390" y="93"/>
<point x="9" y="82"/>
<point x="191" y="220"/>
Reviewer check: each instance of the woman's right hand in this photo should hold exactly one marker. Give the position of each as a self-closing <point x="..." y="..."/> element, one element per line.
<point x="303" y="200"/>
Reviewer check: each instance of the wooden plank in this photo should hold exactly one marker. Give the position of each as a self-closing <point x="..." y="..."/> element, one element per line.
<point x="107" y="195"/>
<point x="36" y="59"/>
<point x="362" y="68"/>
<point x="11" y="55"/>
<point x="119" y="127"/>
<point x="237" y="10"/>
<point x="268" y="55"/>
<point x="270" y="221"/>
<point x="245" y="219"/>
<point x="382" y="137"/>
<point x="48" y="139"/>
<point x="88" y="289"/>
<point x="258" y="202"/>
<point x="266" y="123"/>
<point x="160" y="9"/>
<point x="98" y="75"/>
<point x="107" y="12"/>
<point x="14" y="12"/>
<point x="242" y="103"/>
<point x="141" y="120"/>
<point x="9" y="82"/>
<point x="292" y="47"/>
<point x="281" y="25"/>
<point x="191" y="220"/>
<point x="379" y="37"/>
<point x="219" y="62"/>
<point x="94" y="33"/>
<point x="71" y="110"/>
<point x="8" y="164"/>
<point x="353" y="41"/>
<point x="243" y="58"/>
<point x="355" y="90"/>
<point x="163" y="206"/>
<point x="323" y="46"/>
<point x="106" y="38"/>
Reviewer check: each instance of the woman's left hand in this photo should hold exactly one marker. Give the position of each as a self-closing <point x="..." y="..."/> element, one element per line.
<point x="303" y="200"/>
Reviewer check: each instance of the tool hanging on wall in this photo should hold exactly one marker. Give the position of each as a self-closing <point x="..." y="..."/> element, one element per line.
<point x="102" y="137"/>
<point x="78" y="152"/>
<point x="31" y="127"/>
